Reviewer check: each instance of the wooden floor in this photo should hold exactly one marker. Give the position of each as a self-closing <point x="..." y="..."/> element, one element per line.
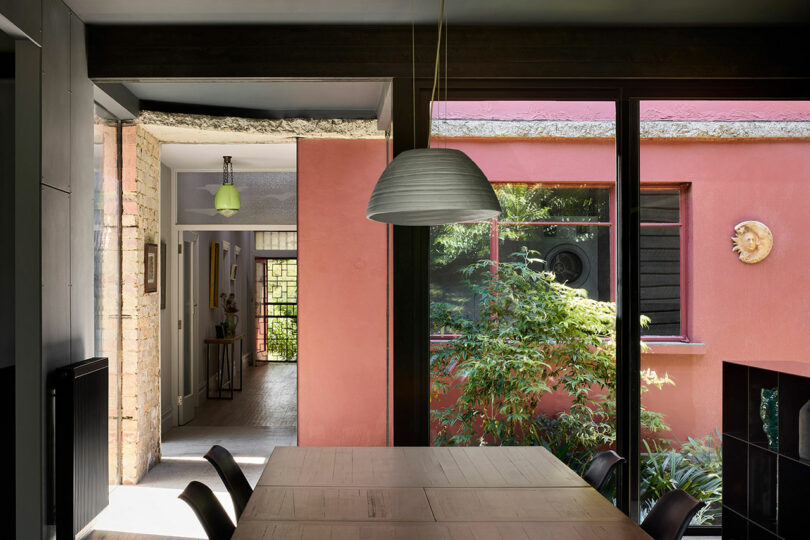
<point x="268" y="398"/>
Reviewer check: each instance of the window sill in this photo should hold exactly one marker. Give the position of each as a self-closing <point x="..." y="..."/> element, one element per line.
<point x="673" y="348"/>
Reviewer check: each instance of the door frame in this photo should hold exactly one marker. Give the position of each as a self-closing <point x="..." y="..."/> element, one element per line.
<point x="173" y="302"/>
<point x="183" y="399"/>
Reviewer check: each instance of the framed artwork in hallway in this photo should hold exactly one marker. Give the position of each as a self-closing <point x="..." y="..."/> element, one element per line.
<point x="163" y="275"/>
<point x="150" y="258"/>
<point x="213" y="275"/>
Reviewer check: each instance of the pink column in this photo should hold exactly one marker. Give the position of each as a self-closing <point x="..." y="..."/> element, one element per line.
<point x="342" y="295"/>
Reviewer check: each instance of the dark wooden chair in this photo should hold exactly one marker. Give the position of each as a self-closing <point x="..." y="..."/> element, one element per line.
<point x="601" y="468"/>
<point x="671" y="515"/>
<point x="214" y="519"/>
<point x="232" y="476"/>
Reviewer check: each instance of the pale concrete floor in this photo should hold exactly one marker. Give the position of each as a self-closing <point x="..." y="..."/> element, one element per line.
<point x="258" y="419"/>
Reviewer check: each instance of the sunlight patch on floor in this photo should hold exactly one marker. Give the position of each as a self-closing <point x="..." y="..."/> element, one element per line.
<point x="168" y="515"/>
<point x="242" y="460"/>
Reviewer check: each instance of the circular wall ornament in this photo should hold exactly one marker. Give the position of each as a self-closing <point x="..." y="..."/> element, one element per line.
<point x="569" y="264"/>
<point x="753" y="241"/>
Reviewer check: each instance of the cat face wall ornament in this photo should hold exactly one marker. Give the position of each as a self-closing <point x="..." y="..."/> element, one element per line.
<point x="753" y="241"/>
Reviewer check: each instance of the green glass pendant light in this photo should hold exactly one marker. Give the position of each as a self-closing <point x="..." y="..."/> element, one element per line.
<point x="432" y="186"/>
<point x="227" y="201"/>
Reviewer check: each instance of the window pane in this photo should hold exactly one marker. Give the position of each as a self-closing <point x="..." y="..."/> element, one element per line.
<point x="107" y="271"/>
<point x="579" y="255"/>
<point x="277" y="309"/>
<point x="536" y="365"/>
<point x="661" y="280"/>
<point x="743" y="161"/>
<point x="533" y="202"/>
<point x="452" y="249"/>
<point x="661" y="206"/>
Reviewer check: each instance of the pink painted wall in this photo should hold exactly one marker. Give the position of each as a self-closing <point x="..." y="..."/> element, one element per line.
<point x="342" y="295"/>
<point x="740" y="312"/>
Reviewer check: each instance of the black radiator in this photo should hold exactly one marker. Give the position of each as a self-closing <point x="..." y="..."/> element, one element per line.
<point x="81" y="468"/>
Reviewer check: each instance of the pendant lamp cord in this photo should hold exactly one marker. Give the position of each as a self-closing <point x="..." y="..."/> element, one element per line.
<point x="436" y="71"/>
<point x="446" y="79"/>
<point x="413" y="75"/>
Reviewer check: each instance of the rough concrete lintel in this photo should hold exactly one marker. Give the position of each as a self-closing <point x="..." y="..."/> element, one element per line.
<point x="198" y="129"/>
<point x="582" y="130"/>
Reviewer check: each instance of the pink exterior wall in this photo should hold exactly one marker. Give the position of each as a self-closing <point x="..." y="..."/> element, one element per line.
<point x="738" y="311"/>
<point x="741" y="312"/>
<point x="342" y="295"/>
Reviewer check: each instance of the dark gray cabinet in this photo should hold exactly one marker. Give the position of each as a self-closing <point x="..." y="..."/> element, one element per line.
<point x="766" y="486"/>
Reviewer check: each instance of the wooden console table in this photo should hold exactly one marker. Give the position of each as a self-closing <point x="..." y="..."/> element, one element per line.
<point x="226" y="362"/>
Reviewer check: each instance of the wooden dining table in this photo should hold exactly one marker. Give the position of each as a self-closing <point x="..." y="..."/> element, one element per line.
<point x="422" y="493"/>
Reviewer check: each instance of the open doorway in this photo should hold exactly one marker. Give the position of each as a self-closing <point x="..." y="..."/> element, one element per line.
<point x="228" y="291"/>
<point x="223" y="376"/>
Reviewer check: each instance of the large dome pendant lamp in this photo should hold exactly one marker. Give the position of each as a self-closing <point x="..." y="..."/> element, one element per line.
<point x="227" y="201"/>
<point x="432" y="186"/>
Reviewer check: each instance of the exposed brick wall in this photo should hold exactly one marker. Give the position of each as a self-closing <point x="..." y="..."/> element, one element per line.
<point x="140" y="386"/>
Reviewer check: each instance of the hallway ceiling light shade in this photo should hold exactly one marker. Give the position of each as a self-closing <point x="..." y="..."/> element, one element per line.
<point x="227" y="200"/>
<point x="432" y="186"/>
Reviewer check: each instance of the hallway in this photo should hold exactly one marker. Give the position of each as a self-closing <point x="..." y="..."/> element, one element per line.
<point x="258" y="419"/>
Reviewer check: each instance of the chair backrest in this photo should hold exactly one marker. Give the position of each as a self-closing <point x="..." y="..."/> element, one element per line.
<point x="671" y="515"/>
<point x="214" y="519"/>
<point x="232" y="476"/>
<point x="601" y="468"/>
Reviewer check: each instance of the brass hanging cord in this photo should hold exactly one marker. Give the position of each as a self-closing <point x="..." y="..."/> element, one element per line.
<point x="436" y="71"/>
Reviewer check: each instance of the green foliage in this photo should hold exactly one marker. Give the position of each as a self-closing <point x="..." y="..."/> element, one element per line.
<point x="696" y="468"/>
<point x="532" y="336"/>
<point x="528" y="336"/>
<point x="282" y="332"/>
<point x="455" y="246"/>
<point x="519" y="203"/>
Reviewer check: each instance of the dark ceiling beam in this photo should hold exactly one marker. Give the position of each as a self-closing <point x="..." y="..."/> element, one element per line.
<point x="118" y="52"/>
<point x="242" y="112"/>
<point x="117" y="99"/>
<point x="21" y="20"/>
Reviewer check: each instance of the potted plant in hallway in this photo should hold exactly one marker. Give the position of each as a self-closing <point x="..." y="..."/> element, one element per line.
<point x="231" y="317"/>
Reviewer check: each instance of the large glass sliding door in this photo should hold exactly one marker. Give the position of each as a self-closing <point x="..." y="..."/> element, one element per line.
<point x="723" y="278"/>
<point x="107" y="269"/>
<point x="668" y="266"/>
<point x="523" y="306"/>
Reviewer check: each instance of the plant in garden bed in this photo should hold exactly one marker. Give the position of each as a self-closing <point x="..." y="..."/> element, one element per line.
<point x="532" y="336"/>
<point x="696" y="468"/>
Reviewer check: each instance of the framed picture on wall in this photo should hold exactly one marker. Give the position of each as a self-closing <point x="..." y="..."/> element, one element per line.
<point x="150" y="273"/>
<point x="233" y="272"/>
<point x="163" y="275"/>
<point x="213" y="275"/>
